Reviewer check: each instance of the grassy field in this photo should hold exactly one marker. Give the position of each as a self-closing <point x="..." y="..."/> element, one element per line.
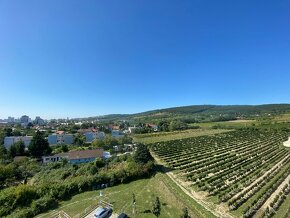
<point x="167" y="136"/>
<point x="228" y="124"/>
<point x="173" y="200"/>
<point x="282" y="118"/>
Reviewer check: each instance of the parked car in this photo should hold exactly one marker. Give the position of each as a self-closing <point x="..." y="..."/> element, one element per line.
<point x="123" y="215"/>
<point x="103" y="212"/>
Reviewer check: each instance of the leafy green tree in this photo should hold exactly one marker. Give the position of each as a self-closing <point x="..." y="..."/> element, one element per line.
<point x="39" y="145"/>
<point x="12" y="151"/>
<point x="177" y="125"/>
<point x="17" y="148"/>
<point x="163" y="126"/>
<point x="156" y="207"/>
<point x="98" y="143"/>
<point x="125" y="140"/>
<point x="185" y="213"/>
<point x="3" y="153"/>
<point x="79" y="140"/>
<point x="99" y="163"/>
<point x="8" y="132"/>
<point x="2" y="136"/>
<point x="64" y="148"/>
<point x="142" y="155"/>
<point x="109" y="142"/>
<point x="17" y="133"/>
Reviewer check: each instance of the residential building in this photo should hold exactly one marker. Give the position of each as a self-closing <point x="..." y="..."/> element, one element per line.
<point x="91" y="136"/>
<point x="10" y="140"/>
<point x="10" y="120"/>
<point x="76" y="157"/>
<point x="60" y="138"/>
<point x="54" y="158"/>
<point x="117" y="134"/>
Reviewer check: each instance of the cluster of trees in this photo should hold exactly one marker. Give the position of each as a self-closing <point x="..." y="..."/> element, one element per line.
<point x="109" y="142"/>
<point x="59" y="181"/>
<point x="163" y="126"/>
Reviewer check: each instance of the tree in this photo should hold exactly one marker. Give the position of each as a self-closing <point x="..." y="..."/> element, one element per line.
<point x="64" y="148"/>
<point x="156" y="208"/>
<point x="125" y="140"/>
<point x="39" y="145"/>
<point x="79" y="140"/>
<point x="3" y="153"/>
<point x="185" y="213"/>
<point x="110" y="141"/>
<point x="18" y="148"/>
<point x="98" y="143"/>
<point x="177" y="125"/>
<point x="142" y="155"/>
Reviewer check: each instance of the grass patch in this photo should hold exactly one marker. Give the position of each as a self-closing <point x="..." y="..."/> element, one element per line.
<point x="168" y="136"/>
<point x="172" y="198"/>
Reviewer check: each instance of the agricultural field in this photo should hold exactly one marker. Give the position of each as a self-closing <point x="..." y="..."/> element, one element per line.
<point x="167" y="136"/>
<point x="233" y="124"/>
<point x="245" y="171"/>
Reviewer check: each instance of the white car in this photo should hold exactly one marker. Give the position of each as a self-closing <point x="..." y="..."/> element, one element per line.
<point x="103" y="212"/>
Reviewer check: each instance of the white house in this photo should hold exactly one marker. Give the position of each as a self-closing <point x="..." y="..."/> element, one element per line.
<point x="77" y="157"/>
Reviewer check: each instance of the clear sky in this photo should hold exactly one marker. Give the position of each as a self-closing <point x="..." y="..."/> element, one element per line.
<point x="69" y="58"/>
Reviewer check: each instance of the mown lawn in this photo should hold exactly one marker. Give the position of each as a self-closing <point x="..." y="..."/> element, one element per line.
<point x="167" y="136"/>
<point x="173" y="200"/>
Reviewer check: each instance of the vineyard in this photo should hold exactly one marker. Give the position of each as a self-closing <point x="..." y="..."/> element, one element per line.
<point x="248" y="170"/>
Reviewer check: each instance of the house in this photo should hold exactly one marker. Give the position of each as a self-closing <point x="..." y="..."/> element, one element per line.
<point x="117" y="134"/>
<point x="91" y="136"/>
<point x="76" y="157"/>
<point x="54" y="158"/>
<point x="85" y="156"/>
<point x="10" y="140"/>
<point x="153" y="126"/>
<point x="60" y="138"/>
<point x="114" y="127"/>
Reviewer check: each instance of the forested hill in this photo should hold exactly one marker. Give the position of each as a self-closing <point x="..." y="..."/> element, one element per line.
<point x="204" y="111"/>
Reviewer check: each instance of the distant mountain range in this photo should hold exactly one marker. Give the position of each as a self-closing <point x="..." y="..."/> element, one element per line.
<point x="199" y="111"/>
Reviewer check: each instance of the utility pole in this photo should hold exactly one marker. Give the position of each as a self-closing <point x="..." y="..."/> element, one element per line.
<point x="100" y="197"/>
<point x="134" y="205"/>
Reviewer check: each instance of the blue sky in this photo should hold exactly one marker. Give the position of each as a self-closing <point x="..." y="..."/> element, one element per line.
<point x="64" y="58"/>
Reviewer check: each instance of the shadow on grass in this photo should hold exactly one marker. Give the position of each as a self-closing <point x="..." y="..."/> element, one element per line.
<point x="162" y="169"/>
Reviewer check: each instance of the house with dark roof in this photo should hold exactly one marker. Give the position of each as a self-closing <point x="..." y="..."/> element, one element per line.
<point x="76" y="157"/>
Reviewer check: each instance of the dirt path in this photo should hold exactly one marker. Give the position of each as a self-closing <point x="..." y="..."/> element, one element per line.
<point x="279" y="164"/>
<point x="217" y="210"/>
<point x="271" y="198"/>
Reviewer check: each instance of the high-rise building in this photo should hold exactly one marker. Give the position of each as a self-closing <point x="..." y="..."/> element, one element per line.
<point x="39" y="121"/>
<point x="24" y="120"/>
<point x="10" y="120"/>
